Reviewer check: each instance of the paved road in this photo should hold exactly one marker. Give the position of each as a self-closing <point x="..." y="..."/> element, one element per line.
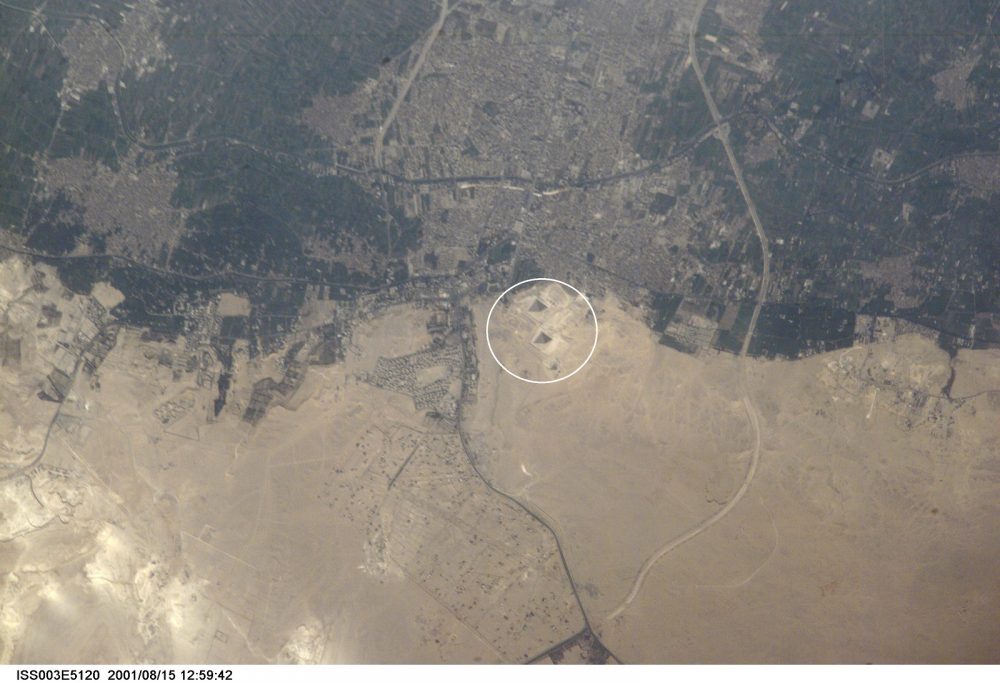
<point x="535" y="513"/>
<point x="752" y="417"/>
<point x="386" y="124"/>
<point x="405" y="88"/>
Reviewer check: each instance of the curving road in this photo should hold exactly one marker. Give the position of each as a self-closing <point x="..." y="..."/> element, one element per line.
<point x="752" y="416"/>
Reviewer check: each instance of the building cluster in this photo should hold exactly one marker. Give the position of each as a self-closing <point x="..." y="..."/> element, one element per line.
<point x="431" y="391"/>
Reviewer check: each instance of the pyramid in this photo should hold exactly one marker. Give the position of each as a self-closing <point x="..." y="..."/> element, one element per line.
<point x="537" y="306"/>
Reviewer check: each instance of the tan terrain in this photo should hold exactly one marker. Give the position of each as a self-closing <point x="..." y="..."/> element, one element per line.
<point x="349" y="524"/>
<point x="869" y="532"/>
<point x="344" y="527"/>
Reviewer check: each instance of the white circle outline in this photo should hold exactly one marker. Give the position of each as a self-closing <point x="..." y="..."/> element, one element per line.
<point x="542" y="381"/>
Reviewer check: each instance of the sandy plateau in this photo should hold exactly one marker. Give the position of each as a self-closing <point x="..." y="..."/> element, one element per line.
<point x="345" y="526"/>
<point x="869" y="533"/>
<point x="349" y="524"/>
